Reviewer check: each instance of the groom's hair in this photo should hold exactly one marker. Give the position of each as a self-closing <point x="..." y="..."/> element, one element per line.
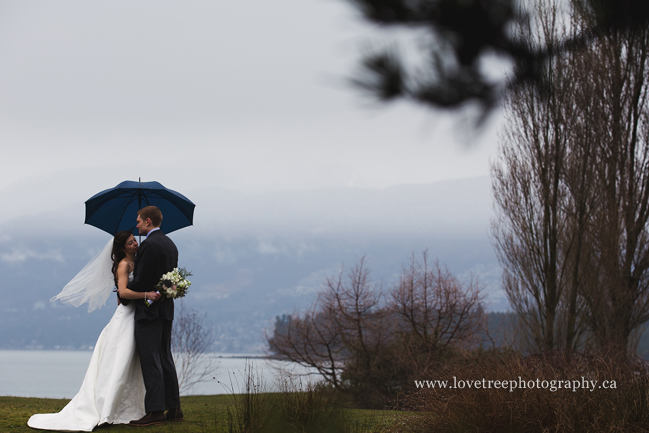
<point x="153" y="213"/>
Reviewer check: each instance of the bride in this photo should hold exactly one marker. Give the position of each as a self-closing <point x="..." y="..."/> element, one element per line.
<point x="113" y="389"/>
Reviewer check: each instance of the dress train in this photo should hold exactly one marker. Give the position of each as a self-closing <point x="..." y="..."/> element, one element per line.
<point x="112" y="390"/>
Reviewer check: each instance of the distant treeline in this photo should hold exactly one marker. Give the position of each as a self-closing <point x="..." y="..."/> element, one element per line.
<point x="501" y="326"/>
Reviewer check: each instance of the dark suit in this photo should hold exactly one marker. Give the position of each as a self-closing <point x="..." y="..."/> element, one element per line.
<point x="156" y="256"/>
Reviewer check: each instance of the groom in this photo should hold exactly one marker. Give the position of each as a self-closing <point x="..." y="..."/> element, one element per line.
<point x="156" y="256"/>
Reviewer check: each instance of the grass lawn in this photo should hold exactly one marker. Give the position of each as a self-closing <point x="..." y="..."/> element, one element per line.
<point x="202" y="414"/>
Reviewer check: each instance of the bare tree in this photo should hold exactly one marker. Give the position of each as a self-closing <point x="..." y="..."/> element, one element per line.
<point x="355" y="307"/>
<point x="310" y="340"/>
<point x="618" y="74"/>
<point x="339" y="325"/>
<point x="572" y="192"/>
<point x="372" y="346"/>
<point x="533" y="236"/>
<point x="434" y="312"/>
<point x="191" y="340"/>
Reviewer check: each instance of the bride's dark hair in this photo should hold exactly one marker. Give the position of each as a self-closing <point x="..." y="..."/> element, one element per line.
<point x="119" y="242"/>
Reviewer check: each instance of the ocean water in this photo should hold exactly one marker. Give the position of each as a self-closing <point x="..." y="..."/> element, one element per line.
<point x="59" y="373"/>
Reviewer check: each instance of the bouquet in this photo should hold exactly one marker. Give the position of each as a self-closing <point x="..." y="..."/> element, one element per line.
<point x="173" y="284"/>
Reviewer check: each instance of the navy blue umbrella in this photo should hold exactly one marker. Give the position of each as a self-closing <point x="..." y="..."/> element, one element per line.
<point x="115" y="209"/>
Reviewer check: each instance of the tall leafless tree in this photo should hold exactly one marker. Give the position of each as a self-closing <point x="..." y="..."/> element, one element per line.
<point x="618" y="74"/>
<point x="572" y="190"/>
<point x="533" y="236"/>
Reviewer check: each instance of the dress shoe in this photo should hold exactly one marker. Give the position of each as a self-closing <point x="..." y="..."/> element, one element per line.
<point x="175" y="415"/>
<point x="153" y="418"/>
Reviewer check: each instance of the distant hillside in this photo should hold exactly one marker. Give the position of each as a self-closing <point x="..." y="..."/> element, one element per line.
<point x="253" y="256"/>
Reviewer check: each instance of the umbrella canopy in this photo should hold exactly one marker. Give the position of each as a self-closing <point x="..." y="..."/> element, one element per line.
<point x="115" y="209"/>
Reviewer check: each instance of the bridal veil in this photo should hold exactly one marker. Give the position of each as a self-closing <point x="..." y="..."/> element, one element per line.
<point x="93" y="284"/>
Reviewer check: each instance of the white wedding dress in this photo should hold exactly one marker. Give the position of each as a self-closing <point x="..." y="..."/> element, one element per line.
<point x="113" y="389"/>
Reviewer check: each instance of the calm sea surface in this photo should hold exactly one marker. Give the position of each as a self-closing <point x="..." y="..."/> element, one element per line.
<point x="59" y="373"/>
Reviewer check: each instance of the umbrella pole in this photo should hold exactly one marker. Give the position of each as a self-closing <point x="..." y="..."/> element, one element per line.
<point x="139" y="206"/>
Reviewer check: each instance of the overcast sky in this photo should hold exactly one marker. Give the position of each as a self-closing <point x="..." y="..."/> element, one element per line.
<point x="245" y="95"/>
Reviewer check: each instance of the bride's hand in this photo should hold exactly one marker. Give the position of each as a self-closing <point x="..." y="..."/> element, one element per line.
<point x="153" y="296"/>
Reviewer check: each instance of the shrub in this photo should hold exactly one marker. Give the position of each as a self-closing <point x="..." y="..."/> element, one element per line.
<point x="298" y="408"/>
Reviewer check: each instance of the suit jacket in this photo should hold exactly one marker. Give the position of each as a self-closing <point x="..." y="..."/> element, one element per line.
<point x="156" y="256"/>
